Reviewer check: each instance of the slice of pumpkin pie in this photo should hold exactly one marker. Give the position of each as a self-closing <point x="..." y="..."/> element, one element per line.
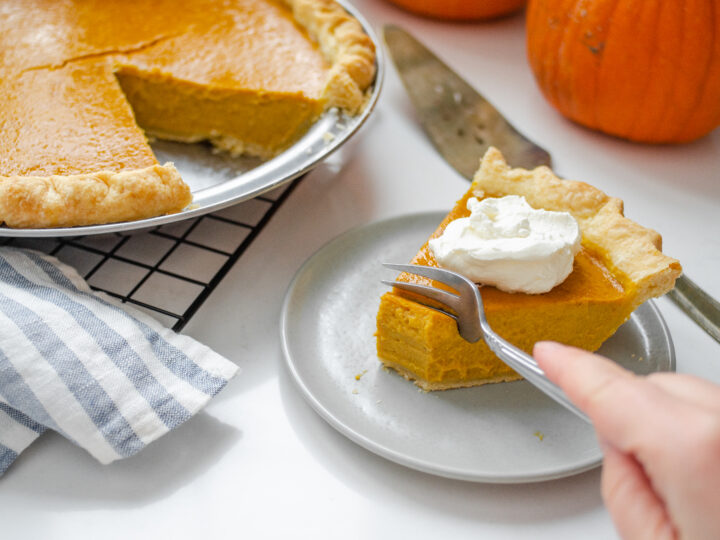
<point x="617" y="266"/>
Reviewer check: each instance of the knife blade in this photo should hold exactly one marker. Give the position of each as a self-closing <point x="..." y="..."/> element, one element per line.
<point x="698" y="305"/>
<point x="462" y="124"/>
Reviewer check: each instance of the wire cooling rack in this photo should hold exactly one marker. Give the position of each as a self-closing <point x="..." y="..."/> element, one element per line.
<point x="171" y="270"/>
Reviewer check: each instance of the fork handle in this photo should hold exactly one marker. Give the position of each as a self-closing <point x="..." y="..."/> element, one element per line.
<point x="526" y="366"/>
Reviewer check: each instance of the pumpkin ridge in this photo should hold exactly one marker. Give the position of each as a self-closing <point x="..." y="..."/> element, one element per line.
<point x="576" y="93"/>
<point x="574" y="57"/>
<point x="696" y="109"/>
<point x="602" y="70"/>
<point x="592" y="119"/>
<point x="536" y="56"/>
<point x="593" y="116"/>
<point x="617" y="105"/>
<point x="546" y="66"/>
<point x="636" y="126"/>
<point x="548" y="27"/>
<point x="716" y="44"/>
<point x="666" y="117"/>
<point x="549" y="70"/>
<point x="564" y="99"/>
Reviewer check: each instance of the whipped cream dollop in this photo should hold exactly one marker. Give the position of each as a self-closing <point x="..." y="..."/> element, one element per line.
<point x="507" y="243"/>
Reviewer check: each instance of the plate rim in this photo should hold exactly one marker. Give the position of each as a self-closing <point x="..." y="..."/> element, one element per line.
<point x="282" y="176"/>
<point x="383" y="450"/>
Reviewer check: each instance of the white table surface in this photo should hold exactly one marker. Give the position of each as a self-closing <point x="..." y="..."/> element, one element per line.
<point x="258" y="462"/>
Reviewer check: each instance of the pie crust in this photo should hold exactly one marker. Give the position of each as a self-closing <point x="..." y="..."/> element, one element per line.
<point x="85" y="199"/>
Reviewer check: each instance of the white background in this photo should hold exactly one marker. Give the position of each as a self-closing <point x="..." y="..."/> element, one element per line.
<point x="258" y="462"/>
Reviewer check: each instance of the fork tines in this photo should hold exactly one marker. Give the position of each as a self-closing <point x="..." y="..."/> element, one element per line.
<point x="443" y="297"/>
<point x="452" y="279"/>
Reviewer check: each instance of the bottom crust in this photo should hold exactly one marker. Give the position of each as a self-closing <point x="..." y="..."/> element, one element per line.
<point x="429" y="387"/>
<point x="226" y="143"/>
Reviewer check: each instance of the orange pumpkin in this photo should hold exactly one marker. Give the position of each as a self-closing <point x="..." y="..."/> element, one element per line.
<point x="461" y="9"/>
<point x="645" y="71"/>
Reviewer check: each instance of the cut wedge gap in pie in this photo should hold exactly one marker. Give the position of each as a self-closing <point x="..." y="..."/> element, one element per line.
<point x="83" y="82"/>
<point x="619" y="266"/>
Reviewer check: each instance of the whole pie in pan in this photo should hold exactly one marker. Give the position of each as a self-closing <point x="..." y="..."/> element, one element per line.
<point x="619" y="266"/>
<point x="83" y="81"/>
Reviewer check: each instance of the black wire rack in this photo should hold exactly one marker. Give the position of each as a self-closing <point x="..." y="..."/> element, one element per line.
<point x="171" y="270"/>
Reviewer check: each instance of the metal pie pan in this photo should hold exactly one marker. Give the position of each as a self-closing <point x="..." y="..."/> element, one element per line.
<point x="217" y="180"/>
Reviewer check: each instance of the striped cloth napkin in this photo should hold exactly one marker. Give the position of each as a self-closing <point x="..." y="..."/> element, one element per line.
<point x="105" y="376"/>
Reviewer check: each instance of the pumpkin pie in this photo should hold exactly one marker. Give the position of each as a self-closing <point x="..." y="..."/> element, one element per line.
<point x="82" y="84"/>
<point x="619" y="266"/>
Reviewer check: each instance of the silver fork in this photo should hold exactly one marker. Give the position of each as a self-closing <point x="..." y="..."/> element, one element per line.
<point x="473" y="325"/>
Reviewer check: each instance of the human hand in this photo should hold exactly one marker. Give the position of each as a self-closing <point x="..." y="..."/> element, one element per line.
<point x="660" y="436"/>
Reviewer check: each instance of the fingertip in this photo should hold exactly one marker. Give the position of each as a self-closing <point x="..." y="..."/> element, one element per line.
<point x="550" y="349"/>
<point x="549" y="354"/>
<point x="547" y="348"/>
<point x="552" y="353"/>
<point x="581" y="374"/>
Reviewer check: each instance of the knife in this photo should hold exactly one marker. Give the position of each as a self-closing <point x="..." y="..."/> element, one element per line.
<point x="459" y="121"/>
<point x="462" y="124"/>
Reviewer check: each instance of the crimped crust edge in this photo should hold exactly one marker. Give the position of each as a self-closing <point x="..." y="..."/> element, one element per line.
<point x="92" y="198"/>
<point x="345" y="45"/>
<point x="629" y="250"/>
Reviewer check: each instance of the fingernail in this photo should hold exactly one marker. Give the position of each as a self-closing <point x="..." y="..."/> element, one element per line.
<point x="547" y="347"/>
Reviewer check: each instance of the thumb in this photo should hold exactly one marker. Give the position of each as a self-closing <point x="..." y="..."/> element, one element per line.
<point x="623" y="408"/>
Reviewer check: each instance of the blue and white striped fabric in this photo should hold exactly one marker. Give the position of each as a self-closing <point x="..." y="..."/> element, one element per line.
<point x="107" y="377"/>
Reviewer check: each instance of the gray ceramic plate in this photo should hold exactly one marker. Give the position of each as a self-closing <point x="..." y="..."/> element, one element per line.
<point x="496" y="433"/>
<point x="218" y="180"/>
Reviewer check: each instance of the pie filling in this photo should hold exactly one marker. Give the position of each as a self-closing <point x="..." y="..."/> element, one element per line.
<point x="68" y="121"/>
<point x="242" y="122"/>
